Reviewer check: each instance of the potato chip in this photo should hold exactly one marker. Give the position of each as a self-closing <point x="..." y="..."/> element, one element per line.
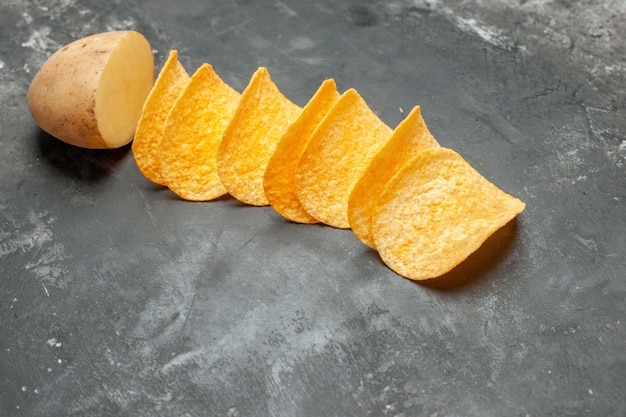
<point x="249" y="141"/>
<point x="192" y="134"/>
<point x="436" y="211"/>
<point x="410" y="137"/>
<point x="170" y="83"/>
<point x="336" y="156"/>
<point x="280" y="175"/>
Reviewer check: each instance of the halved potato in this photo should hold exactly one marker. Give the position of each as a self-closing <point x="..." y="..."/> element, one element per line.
<point x="90" y="92"/>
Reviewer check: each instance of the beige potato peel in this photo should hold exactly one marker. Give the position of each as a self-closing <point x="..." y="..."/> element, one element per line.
<point x="192" y="134"/>
<point x="170" y="84"/>
<point x="436" y="211"/>
<point x="336" y="156"/>
<point x="263" y="116"/>
<point x="280" y="174"/>
<point x="409" y="137"/>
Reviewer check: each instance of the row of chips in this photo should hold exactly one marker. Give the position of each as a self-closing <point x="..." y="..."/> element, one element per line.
<point x="420" y="205"/>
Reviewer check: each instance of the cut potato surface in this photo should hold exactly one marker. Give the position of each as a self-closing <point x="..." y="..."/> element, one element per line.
<point x="263" y="116"/>
<point x="90" y="92"/>
<point x="336" y="156"/>
<point x="192" y="134"/>
<point x="410" y="137"/>
<point x="170" y="84"/>
<point x="436" y="211"/>
<point x="280" y="175"/>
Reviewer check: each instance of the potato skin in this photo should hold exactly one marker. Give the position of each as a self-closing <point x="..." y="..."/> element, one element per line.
<point x="61" y="97"/>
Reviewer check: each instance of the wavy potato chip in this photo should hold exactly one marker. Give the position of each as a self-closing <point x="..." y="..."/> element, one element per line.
<point x="192" y="134"/>
<point x="170" y="83"/>
<point x="263" y="116"/>
<point x="280" y="175"/>
<point x="336" y="156"/>
<point x="409" y="137"/>
<point x="436" y="211"/>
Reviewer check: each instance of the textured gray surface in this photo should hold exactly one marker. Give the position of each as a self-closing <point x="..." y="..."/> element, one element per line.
<point x="116" y="298"/>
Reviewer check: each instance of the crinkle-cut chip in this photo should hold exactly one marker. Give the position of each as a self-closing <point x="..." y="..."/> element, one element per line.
<point x="436" y="211"/>
<point x="409" y="137"/>
<point x="336" y="156"/>
<point x="192" y="134"/>
<point x="170" y="83"/>
<point x="250" y="139"/>
<point x="280" y="174"/>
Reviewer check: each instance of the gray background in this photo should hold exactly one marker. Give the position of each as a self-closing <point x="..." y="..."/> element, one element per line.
<point x="117" y="298"/>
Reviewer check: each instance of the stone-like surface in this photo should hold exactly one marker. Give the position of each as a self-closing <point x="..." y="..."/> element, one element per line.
<point x="116" y="298"/>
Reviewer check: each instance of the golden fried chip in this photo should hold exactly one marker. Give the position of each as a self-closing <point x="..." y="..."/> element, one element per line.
<point x="170" y="83"/>
<point x="192" y="134"/>
<point x="436" y="211"/>
<point x="410" y="137"/>
<point x="336" y="156"/>
<point x="261" y="119"/>
<point x="280" y="175"/>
